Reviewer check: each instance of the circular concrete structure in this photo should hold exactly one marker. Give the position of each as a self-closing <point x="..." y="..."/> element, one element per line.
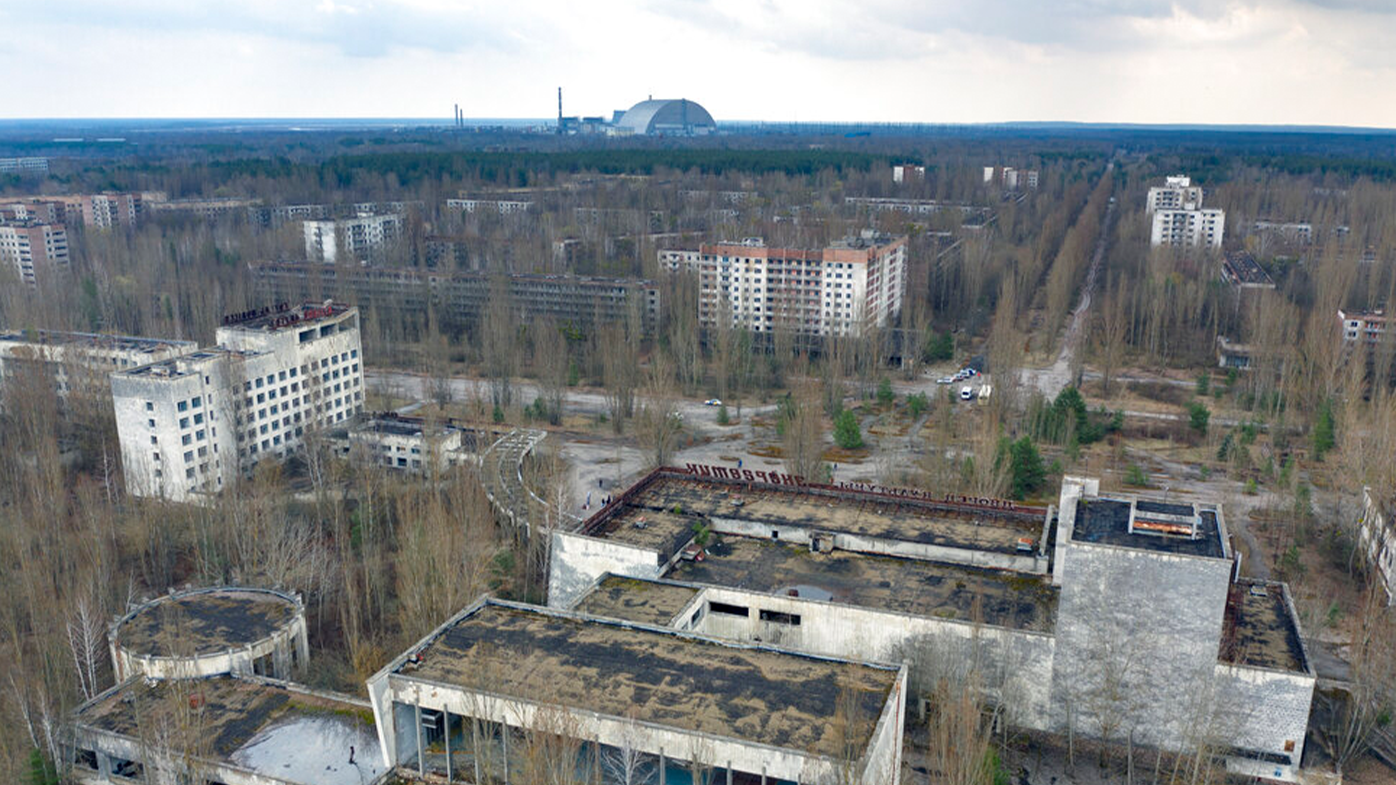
<point x="207" y="632"/>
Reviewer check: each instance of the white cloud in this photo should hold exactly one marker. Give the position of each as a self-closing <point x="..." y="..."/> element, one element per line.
<point x="1279" y="61"/>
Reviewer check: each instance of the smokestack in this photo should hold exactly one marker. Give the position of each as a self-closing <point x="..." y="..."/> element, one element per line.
<point x="455" y="115"/>
<point x="559" y="110"/>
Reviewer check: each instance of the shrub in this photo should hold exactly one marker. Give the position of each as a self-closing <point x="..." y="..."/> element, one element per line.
<point x="722" y="416"/>
<point x="1198" y="417"/>
<point x="847" y="434"/>
<point x="917" y="404"/>
<point x="1136" y="476"/>
<point x="884" y="392"/>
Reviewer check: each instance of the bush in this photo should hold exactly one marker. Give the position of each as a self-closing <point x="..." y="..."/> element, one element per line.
<point x="917" y="404"/>
<point x="498" y="414"/>
<point x="1252" y="488"/>
<point x="847" y="434"/>
<point x="1324" y="431"/>
<point x="1136" y="476"/>
<point x="1204" y="384"/>
<point x="884" y="392"/>
<point x="722" y="416"/>
<point x="1198" y="417"/>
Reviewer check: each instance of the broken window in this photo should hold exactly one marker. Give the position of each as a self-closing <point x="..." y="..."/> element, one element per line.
<point x="776" y="617"/>
<point x="730" y="610"/>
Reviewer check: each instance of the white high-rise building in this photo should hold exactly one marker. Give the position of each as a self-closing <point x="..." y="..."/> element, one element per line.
<point x="1188" y="228"/>
<point x="832" y="291"/>
<point x="1177" y="193"/>
<point x="362" y="238"/>
<point x="190" y="424"/>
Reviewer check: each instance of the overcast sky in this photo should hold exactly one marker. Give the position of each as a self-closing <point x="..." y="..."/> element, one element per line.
<point x="1330" y="62"/>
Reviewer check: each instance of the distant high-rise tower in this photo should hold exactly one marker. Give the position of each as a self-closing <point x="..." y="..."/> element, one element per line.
<point x="559" y="110"/>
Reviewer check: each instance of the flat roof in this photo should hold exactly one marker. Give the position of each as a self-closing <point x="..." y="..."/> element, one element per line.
<point x="670" y="501"/>
<point x="922" y="588"/>
<point x="1106" y="521"/>
<point x="285" y="317"/>
<point x="204" y="621"/>
<point x="632" y="599"/>
<point x="1259" y="630"/>
<point x="267" y="727"/>
<point x="687" y="682"/>
<point x="95" y="340"/>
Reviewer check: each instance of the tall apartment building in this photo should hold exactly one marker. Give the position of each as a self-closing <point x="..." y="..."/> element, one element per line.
<point x="364" y="237"/>
<point x="34" y="250"/>
<point x="190" y="424"/>
<point x="832" y="291"/>
<point x="1363" y="326"/>
<point x="108" y="210"/>
<point x="908" y="173"/>
<point x="80" y="363"/>
<point x="500" y="206"/>
<point x="1177" y="193"/>
<point x="31" y="165"/>
<point x="459" y="299"/>
<point x="1188" y="228"/>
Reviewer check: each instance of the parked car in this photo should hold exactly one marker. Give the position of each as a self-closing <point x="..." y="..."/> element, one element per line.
<point x="967" y="393"/>
<point x="713" y="402"/>
<point x="946" y="380"/>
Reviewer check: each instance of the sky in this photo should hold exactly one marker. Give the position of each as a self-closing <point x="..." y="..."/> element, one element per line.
<point x="1321" y="62"/>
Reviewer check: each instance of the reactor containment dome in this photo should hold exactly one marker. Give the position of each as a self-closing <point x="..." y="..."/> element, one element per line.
<point x="676" y="117"/>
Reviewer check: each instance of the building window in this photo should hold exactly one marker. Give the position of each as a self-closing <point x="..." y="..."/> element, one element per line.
<point x="776" y="617"/>
<point x="183" y="406"/>
<point x="184" y="422"/>
<point x="197" y="402"/>
<point x="729" y="610"/>
<point x="150" y="407"/>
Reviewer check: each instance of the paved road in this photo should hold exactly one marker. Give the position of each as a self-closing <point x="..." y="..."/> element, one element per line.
<point x="1053" y="379"/>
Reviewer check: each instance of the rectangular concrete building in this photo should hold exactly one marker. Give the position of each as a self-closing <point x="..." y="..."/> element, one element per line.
<point x="1106" y="615"/>
<point x="75" y="363"/>
<point x="501" y="677"/>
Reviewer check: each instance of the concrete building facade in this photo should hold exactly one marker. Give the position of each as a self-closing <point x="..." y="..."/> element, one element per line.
<point x="1177" y="193"/>
<point x="28" y="165"/>
<point x="365" y="237"/>
<point x="80" y="363"/>
<point x="484" y="205"/>
<point x="36" y="252"/>
<point x="840" y="290"/>
<point x="459" y="299"/>
<point x="1188" y="228"/>
<point x="189" y="425"/>
<point x="408" y="444"/>
<point x="1377" y="541"/>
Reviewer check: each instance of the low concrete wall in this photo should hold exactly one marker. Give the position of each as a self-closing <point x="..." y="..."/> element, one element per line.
<point x="1018" y="663"/>
<point x="578" y="560"/>
<point x="1019" y="562"/>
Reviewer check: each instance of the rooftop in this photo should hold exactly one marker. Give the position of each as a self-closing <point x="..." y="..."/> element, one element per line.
<point x="1107" y="522"/>
<point x="1259" y="629"/>
<point x="659" y="513"/>
<point x="266" y="727"/>
<point x="648" y="602"/>
<point x="191" y="363"/>
<point x="204" y="621"/>
<point x="1240" y="268"/>
<point x="668" y="678"/>
<point x="921" y="588"/>
<point x="124" y="343"/>
<point x="284" y="315"/>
